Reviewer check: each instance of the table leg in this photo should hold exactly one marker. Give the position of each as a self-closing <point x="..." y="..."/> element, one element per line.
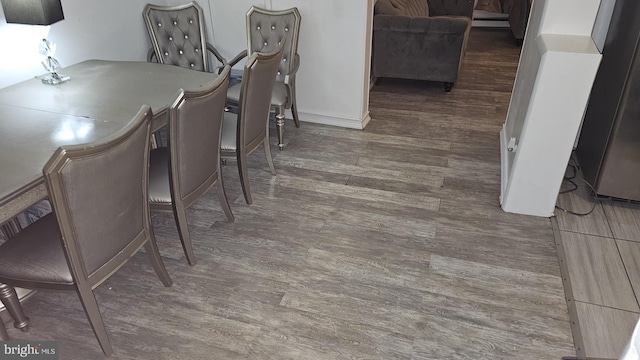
<point x="10" y="300"/>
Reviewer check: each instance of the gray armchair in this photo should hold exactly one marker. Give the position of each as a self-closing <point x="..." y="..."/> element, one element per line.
<point x="266" y="29"/>
<point x="178" y="37"/>
<point x="420" y="39"/>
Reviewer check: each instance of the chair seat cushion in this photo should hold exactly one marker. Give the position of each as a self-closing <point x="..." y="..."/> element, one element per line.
<point x="229" y="129"/>
<point x="278" y="96"/>
<point x="159" y="190"/>
<point x="35" y="255"/>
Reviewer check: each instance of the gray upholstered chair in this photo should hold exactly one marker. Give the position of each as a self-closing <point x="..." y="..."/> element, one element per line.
<point x="178" y="36"/>
<point x="242" y="133"/>
<point x="265" y="31"/>
<point x="190" y="166"/>
<point x="100" y="219"/>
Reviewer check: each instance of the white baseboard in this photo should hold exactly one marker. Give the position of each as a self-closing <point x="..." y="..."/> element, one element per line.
<point x="504" y="164"/>
<point x="350" y="123"/>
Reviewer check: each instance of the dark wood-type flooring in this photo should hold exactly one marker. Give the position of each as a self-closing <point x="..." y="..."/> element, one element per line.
<point x="387" y="243"/>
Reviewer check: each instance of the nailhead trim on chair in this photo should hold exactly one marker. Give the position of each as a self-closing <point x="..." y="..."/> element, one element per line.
<point x="270" y="32"/>
<point x="178" y="35"/>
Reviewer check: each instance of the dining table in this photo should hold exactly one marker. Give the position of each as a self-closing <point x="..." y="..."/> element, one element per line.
<point x="101" y="97"/>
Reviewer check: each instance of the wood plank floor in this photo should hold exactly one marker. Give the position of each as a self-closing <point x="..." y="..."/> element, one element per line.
<point x="387" y="243"/>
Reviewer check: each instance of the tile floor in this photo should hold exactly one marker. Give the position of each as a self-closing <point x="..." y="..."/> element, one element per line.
<point x="600" y="262"/>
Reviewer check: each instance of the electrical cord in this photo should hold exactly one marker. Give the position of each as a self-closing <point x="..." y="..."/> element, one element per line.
<point x="569" y="179"/>
<point x="576" y="171"/>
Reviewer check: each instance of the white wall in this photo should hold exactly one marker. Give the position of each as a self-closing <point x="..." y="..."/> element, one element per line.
<point x="111" y="30"/>
<point x="334" y="48"/>
<point x="335" y="38"/>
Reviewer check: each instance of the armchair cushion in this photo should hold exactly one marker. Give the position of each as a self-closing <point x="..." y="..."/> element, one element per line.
<point x="36" y="254"/>
<point x="278" y="96"/>
<point x="159" y="188"/>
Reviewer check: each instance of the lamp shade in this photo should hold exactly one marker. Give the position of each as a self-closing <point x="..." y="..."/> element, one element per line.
<point x="32" y="12"/>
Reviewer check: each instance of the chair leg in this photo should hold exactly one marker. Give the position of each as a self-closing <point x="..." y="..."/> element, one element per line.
<point x="9" y="298"/>
<point x="267" y="151"/>
<point x="151" y="249"/>
<point x="294" y="105"/>
<point x="224" y="201"/>
<point x="183" y="230"/>
<point x="88" y="300"/>
<point x="244" y="177"/>
<point x="280" y="126"/>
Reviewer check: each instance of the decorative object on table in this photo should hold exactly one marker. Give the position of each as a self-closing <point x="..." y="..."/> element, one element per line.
<point x="38" y="12"/>
<point x="186" y="169"/>
<point x="265" y="30"/>
<point x="48" y="49"/>
<point x="90" y="234"/>
<point x="177" y="36"/>
<point x="242" y="133"/>
<point x="420" y="39"/>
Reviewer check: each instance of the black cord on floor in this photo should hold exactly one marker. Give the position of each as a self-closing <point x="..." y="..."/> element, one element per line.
<point x="576" y="171"/>
<point x="574" y="188"/>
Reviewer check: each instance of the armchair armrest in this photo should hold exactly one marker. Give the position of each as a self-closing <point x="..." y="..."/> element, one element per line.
<point x="451" y="8"/>
<point x="292" y="75"/>
<point x="150" y="55"/>
<point x="217" y="54"/>
<point x="237" y="58"/>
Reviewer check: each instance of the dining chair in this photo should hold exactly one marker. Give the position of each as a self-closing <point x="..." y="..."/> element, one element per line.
<point x="100" y="219"/>
<point x="244" y="131"/>
<point x="190" y="165"/>
<point x="178" y="36"/>
<point x="266" y="29"/>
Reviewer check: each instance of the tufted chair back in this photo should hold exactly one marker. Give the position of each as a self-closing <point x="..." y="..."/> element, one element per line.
<point x="177" y="35"/>
<point x="267" y="29"/>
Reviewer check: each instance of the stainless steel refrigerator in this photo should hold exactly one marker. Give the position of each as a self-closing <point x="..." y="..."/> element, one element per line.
<point x="608" y="149"/>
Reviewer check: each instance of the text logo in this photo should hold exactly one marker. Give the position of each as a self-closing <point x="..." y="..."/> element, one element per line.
<point x="17" y="350"/>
